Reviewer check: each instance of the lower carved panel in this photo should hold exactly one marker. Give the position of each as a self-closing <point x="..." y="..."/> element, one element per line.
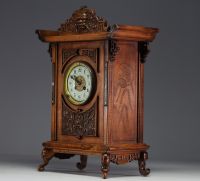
<point x="79" y="123"/>
<point x="124" y="158"/>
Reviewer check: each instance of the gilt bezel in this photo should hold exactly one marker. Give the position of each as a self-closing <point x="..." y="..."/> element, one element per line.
<point x="66" y="77"/>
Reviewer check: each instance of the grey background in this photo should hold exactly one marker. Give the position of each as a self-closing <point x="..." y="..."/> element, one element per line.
<point x="172" y="74"/>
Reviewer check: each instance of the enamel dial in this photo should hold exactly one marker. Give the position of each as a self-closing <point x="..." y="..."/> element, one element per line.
<point x="78" y="83"/>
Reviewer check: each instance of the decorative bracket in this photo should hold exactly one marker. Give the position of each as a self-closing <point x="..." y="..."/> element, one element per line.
<point x="143" y="50"/>
<point x="113" y="49"/>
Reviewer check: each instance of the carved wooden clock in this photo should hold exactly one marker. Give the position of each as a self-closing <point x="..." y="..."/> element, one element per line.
<point x="97" y="91"/>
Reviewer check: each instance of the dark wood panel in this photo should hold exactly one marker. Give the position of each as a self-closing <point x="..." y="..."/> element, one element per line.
<point x="123" y="93"/>
<point x="89" y="49"/>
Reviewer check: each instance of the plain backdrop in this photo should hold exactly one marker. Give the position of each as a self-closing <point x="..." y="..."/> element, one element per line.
<point x="172" y="76"/>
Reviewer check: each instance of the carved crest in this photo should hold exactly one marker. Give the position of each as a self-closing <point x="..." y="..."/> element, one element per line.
<point x="84" y="20"/>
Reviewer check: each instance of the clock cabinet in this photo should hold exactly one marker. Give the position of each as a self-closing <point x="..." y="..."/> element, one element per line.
<point x="97" y="102"/>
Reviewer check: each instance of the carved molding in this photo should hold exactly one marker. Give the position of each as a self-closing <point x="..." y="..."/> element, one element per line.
<point x="113" y="49"/>
<point x="92" y="53"/>
<point x="79" y="124"/>
<point x="124" y="158"/>
<point x="84" y="20"/>
<point x="143" y="50"/>
<point x="69" y="53"/>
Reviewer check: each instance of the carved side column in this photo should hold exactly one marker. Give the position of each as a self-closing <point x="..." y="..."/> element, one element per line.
<point x="142" y="165"/>
<point x="83" y="162"/>
<point x="105" y="162"/>
<point x="47" y="154"/>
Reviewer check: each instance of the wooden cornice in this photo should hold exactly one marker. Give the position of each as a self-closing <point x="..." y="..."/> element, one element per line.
<point x="85" y="25"/>
<point x="133" y="33"/>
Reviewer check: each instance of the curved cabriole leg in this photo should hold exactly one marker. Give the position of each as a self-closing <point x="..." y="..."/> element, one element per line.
<point x="83" y="162"/>
<point x="142" y="165"/>
<point x="47" y="154"/>
<point x="105" y="162"/>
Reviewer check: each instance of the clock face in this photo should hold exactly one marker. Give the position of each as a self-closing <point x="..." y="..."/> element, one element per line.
<point x="78" y="85"/>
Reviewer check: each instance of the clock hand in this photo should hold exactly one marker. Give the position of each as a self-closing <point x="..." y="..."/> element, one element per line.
<point x="75" y="78"/>
<point x="78" y="81"/>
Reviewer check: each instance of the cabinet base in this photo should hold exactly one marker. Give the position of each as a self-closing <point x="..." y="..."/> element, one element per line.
<point x="109" y="154"/>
